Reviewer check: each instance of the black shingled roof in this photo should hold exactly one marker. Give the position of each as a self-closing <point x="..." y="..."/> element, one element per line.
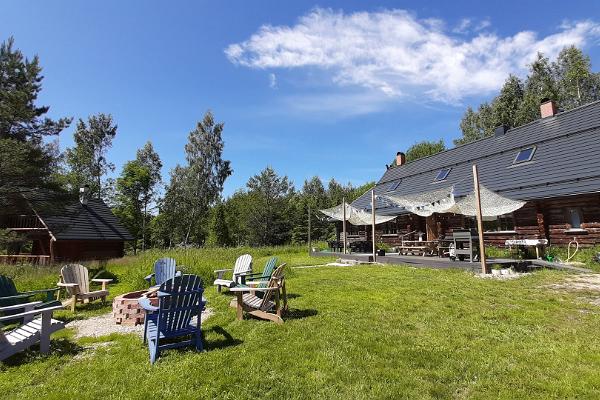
<point x="565" y="162"/>
<point x="68" y="219"/>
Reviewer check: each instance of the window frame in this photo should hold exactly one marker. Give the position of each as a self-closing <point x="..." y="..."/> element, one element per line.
<point x="533" y="150"/>
<point x="437" y="177"/>
<point x="393" y="186"/>
<point x="579" y="213"/>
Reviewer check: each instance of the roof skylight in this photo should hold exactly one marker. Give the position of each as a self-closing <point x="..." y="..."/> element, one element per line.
<point x="442" y="174"/>
<point x="394" y="185"/>
<point x="524" y="155"/>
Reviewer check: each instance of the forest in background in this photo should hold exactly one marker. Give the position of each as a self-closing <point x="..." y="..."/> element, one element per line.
<point x="187" y="208"/>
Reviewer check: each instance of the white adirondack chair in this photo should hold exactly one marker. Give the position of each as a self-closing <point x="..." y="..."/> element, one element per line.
<point x="243" y="267"/>
<point x="75" y="279"/>
<point x="32" y="331"/>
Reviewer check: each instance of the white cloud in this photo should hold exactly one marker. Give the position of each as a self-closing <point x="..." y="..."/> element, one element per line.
<point x="272" y="81"/>
<point x="395" y="53"/>
<point x="463" y="26"/>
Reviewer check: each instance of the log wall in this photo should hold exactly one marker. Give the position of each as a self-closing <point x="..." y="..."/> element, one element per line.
<point x="544" y="219"/>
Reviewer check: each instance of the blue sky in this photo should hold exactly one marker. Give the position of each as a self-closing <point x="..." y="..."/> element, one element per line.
<point x="331" y="88"/>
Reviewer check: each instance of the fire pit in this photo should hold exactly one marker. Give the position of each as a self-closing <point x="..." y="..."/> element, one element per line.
<point x="126" y="309"/>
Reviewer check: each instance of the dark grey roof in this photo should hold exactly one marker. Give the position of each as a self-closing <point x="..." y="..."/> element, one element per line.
<point x="68" y="219"/>
<point x="564" y="163"/>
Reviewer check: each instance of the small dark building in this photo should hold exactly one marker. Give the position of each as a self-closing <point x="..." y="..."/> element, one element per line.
<point x="60" y="227"/>
<point x="551" y="164"/>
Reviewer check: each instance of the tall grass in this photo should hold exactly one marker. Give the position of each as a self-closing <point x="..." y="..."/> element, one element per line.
<point x="129" y="272"/>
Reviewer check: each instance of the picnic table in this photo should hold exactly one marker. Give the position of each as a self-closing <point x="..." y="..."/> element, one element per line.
<point x="416" y="247"/>
<point x="537" y="243"/>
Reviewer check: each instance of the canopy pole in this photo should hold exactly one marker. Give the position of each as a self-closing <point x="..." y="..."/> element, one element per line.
<point x="479" y="218"/>
<point x="373" y="223"/>
<point x="309" y="238"/>
<point x="344" y="222"/>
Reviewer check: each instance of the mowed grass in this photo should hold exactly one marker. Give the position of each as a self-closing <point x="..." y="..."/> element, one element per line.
<point x="355" y="332"/>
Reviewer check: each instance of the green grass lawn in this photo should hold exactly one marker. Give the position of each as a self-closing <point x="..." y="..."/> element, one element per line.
<point x="357" y="332"/>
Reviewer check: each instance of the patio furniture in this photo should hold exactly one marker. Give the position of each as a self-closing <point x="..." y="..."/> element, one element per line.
<point x="268" y="307"/>
<point x="75" y="279"/>
<point x="416" y="247"/>
<point x="263" y="276"/>
<point x="9" y="295"/>
<point x="164" y="269"/>
<point x="465" y="244"/>
<point x="537" y="243"/>
<point x="31" y="332"/>
<point x="179" y="301"/>
<point x="243" y="266"/>
<point x="336" y="245"/>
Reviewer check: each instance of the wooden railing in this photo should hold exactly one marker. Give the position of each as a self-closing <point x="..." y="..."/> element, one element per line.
<point x="21" y="222"/>
<point x="24" y="259"/>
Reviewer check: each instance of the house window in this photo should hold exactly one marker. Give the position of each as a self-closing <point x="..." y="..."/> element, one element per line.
<point x="575" y="217"/>
<point x="442" y="174"/>
<point x="394" y="185"/>
<point x="502" y="223"/>
<point x="389" y="228"/>
<point x="524" y="155"/>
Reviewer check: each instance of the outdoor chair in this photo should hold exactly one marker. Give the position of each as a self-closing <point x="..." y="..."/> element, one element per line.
<point x="164" y="269"/>
<point x="263" y="277"/>
<point x="268" y="307"/>
<point x="9" y="295"/>
<point x="179" y="300"/>
<point x="75" y="279"/>
<point x="34" y="330"/>
<point x="243" y="266"/>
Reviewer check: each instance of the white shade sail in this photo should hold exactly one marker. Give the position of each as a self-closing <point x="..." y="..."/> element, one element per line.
<point x="443" y="201"/>
<point x="355" y="216"/>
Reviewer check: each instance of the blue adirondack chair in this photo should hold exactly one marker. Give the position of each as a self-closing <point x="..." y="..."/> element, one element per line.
<point x="179" y="300"/>
<point x="164" y="269"/>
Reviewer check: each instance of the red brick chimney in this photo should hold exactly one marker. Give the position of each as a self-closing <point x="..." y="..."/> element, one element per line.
<point x="400" y="158"/>
<point x="548" y="108"/>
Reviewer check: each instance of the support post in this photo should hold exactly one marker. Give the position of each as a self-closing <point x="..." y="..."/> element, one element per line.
<point x="344" y="223"/>
<point x="479" y="218"/>
<point x="373" y="224"/>
<point x="309" y="238"/>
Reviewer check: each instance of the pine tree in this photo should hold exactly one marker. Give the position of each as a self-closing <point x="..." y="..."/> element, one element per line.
<point x="25" y="160"/>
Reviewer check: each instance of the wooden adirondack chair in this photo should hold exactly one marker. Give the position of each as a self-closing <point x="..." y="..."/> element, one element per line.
<point x="75" y="279"/>
<point x="31" y="332"/>
<point x="9" y="295"/>
<point x="261" y="279"/>
<point x="269" y="306"/>
<point x="243" y="266"/>
<point x="164" y="269"/>
<point x="179" y="300"/>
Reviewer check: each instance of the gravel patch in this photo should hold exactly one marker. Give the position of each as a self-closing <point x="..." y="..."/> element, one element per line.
<point x="103" y="325"/>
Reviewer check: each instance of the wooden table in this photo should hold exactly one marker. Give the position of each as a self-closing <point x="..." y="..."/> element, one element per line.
<point x="415" y="246"/>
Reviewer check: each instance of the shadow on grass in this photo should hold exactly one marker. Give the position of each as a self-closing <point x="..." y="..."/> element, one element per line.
<point x="226" y="341"/>
<point x="295" y="313"/>
<point x="293" y="295"/>
<point x="58" y="347"/>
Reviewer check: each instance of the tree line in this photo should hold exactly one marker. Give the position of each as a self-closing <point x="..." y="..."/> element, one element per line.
<point x="189" y="209"/>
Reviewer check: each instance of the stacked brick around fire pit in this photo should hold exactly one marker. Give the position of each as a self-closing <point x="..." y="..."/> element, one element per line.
<point x="126" y="309"/>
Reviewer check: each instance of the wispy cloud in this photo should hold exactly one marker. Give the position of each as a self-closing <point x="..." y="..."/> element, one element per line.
<point x="272" y="81"/>
<point x="395" y="53"/>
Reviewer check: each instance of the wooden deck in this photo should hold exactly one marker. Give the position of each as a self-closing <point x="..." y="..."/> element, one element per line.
<point x="446" y="263"/>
